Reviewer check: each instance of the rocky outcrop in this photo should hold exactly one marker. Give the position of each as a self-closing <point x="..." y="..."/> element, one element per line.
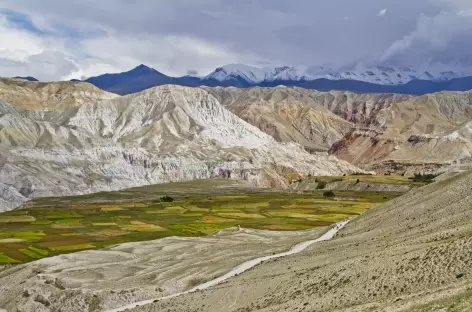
<point x="287" y="114"/>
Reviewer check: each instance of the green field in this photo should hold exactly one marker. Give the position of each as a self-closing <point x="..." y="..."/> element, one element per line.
<point x="374" y="179"/>
<point x="51" y="226"/>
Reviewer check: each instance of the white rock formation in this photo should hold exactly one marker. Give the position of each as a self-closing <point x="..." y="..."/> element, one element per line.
<point x="163" y="134"/>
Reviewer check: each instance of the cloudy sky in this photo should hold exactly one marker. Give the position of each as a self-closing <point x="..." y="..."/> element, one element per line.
<point x="57" y="39"/>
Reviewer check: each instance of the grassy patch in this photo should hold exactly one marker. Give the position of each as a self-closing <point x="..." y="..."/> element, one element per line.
<point x="39" y="251"/>
<point x="4" y="259"/>
<point x="366" y="178"/>
<point x="68" y="221"/>
<point x="16" y="219"/>
<point x="241" y="215"/>
<point x="66" y="224"/>
<point x="64" y="215"/>
<point x="72" y="247"/>
<point x="11" y="240"/>
<point x="42" y="222"/>
<point x="140" y="226"/>
<point x="29" y="253"/>
<point x="114" y="208"/>
<point x="29" y="235"/>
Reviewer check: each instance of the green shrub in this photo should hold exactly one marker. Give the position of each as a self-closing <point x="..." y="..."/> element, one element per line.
<point x="329" y="194"/>
<point x="321" y="185"/>
<point x="167" y="199"/>
<point x="360" y="173"/>
<point x="424" y="178"/>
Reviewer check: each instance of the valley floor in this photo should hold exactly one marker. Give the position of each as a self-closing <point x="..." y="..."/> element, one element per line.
<point x="120" y="274"/>
<point x="52" y="226"/>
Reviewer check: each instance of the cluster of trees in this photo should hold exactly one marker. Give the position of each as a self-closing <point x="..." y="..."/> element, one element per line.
<point x="424" y="178"/>
<point x="167" y="199"/>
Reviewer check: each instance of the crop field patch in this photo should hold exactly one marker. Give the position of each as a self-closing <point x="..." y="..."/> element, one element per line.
<point x="6" y="259"/>
<point x="73" y="247"/>
<point x="51" y="226"/>
<point x="145" y="227"/>
<point x="241" y="215"/>
<point x="11" y="240"/>
<point x="104" y="224"/>
<point x="16" y="219"/>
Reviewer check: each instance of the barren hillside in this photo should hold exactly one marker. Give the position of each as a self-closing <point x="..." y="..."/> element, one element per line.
<point x="409" y="254"/>
<point x="71" y="141"/>
<point x="381" y="132"/>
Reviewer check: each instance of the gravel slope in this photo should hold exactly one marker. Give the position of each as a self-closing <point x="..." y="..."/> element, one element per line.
<point x="112" y="277"/>
<point x="411" y="251"/>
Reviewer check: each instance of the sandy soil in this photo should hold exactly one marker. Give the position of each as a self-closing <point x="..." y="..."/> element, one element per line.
<point x="105" y="279"/>
<point x="412" y="251"/>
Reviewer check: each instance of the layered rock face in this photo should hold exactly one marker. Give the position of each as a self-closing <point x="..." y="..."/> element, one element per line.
<point x="99" y="142"/>
<point x="409" y="134"/>
<point x="287" y="114"/>
<point x="380" y="132"/>
<point x="71" y="138"/>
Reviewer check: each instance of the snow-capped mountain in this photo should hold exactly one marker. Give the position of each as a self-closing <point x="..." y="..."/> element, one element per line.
<point x="255" y="75"/>
<point x="379" y="75"/>
<point x="379" y="79"/>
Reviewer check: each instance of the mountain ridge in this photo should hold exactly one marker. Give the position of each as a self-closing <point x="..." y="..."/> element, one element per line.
<point x="93" y="142"/>
<point x="242" y="76"/>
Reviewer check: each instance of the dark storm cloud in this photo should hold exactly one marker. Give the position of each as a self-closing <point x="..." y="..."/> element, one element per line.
<point x="180" y="34"/>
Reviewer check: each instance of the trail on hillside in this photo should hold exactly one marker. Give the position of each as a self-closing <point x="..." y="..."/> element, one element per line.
<point x="240" y="269"/>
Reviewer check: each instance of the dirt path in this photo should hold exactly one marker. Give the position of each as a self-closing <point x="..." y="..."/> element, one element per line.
<point x="240" y="269"/>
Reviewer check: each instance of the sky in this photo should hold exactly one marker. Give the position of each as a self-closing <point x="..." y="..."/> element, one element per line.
<point x="57" y="39"/>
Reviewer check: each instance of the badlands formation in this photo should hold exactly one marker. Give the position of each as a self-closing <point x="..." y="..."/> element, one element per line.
<point x="69" y="138"/>
<point x="379" y="132"/>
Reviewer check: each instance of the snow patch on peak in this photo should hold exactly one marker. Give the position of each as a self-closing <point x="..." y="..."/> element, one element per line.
<point x="386" y="75"/>
<point x="254" y="75"/>
<point x="249" y="73"/>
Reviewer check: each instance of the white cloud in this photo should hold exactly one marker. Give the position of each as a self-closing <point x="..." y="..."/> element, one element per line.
<point x="382" y="12"/>
<point x="467" y="13"/>
<point x="17" y="45"/>
<point x="173" y="55"/>
<point x="23" y="53"/>
<point x="90" y="37"/>
<point x="46" y="66"/>
<point x="442" y="39"/>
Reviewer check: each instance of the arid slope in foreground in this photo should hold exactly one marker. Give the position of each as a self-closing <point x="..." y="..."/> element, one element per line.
<point x="412" y="253"/>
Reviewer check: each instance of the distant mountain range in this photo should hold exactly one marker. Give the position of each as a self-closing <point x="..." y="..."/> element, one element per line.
<point x="379" y="79"/>
<point x="29" y="78"/>
<point x="378" y="75"/>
